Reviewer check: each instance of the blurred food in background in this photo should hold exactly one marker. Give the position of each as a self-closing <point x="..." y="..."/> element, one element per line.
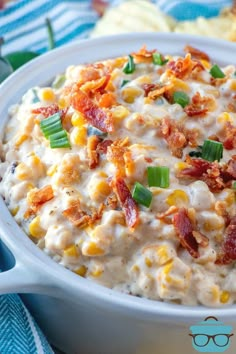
<point x="143" y="16"/>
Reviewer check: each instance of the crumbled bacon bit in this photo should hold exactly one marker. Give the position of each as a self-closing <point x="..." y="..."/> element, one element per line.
<point x="183" y="67"/>
<point x="172" y="209"/>
<point x="216" y="176"/>
<point x="196" y="53"/>
<point x="96" y="86"/>
<point x="175" y="139"/>
<point x="79" y="217"/>
<point x="199" y="105"/>
<point x="47" y="110"/>
<point x="115" y="154"/>
<point x="184" y="231"/>
<point x="93" y="156"/>
<point x="143" y="55"/>
<point x="159" y="90"/>
<point x="228" y="251"/>
<point x="112" y="202"/>
<point x="37" y="197"/>
<point x="147" y="88"/>
<point x="128" y="204"/>
<point x="103" y="146"/>
<point x="230" y="136"/>
<point x="92" y="113"/>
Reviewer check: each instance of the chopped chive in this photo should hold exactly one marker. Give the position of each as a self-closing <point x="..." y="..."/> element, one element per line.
<point x="212" y="150"/>
<point x="158" y="176"/>
<point x="130" y="66"/>
<point x="216" y="72"/>
<point x="158" y="59"/>
<point x="142" y="195"/>
<point x="124" y="82"/>
<point x="58" y="135"/>
<point x="60" y="143"/>
<point x="181" y="98"/>
<point x="51" y="129"/>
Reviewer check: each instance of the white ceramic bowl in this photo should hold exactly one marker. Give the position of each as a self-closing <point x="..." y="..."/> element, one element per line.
<point x="78" y="315"/>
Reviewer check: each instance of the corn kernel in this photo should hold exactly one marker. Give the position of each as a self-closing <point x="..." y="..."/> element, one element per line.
<point x="102" y="174"/>
<point x="180" y="85"/>
<point x="135" y="268"/>
<point x="233" y="85"/>
<point x="205" y="63"/>
<point x="130" y="93"/>
<point x="52" y="170"/>
<point x="178" y="198"/>
<point x="147" y="100"/>
<point x="224" y="297"/>
<point x="103" y="188"/>
<point x="225" y="117"/>
<point x="93" y="250"/>
<point x="20" y="140"/>
<point x="168" y="267"/>
<point x="77" y="119"/>
<point x="179" y="166"/>
<point x="163" y="256"/>
<point x="145" y="79"/>
<point x="14" y="211"/>
<point x="96" y="272"/>
<point x="71" y="251"/>
<point x="79" y="136"/>
<point x="120" y="112"/>
<point x="23" y="171"/>
<point x="214" y="224"/>
<point x="81" y="270"/>
<point x="35" y="229"/>
<point x="47" y="94"/>
<point x="215" y="293"/>
<point x="148" y="262"/>
<point x="62" y="103"/>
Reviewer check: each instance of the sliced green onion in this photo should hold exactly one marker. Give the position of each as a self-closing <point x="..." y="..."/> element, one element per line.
<point x="181" y="98"/>
<point x="212" y="150"/>
<point x="142" y="195"/>
<point x="59" y="81"/>
<point x="234" y="185"/>
<point x="158" y="59"/>
<point x="130" y="66"/>
<point x="51" y="125"/>
<point x="60" y="143"/>
<point x="59" y="135"/>
<point x="50" y="120"/>
<point x="124" y="82"/>
<point x="216" y="72"/>
<point x="158" y="176"/>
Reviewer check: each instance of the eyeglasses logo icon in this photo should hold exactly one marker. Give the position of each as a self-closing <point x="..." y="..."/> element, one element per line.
<point x="211" y="336"/>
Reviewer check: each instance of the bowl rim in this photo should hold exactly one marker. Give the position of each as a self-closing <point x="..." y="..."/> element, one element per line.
<point x="16" y="239"/>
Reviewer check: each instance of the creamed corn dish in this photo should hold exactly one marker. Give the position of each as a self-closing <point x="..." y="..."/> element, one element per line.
<point x="124" y="172"/>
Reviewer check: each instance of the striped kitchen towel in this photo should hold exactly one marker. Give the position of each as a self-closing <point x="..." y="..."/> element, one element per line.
<point x="22" y="23"/>
<point x="19" y="333"/>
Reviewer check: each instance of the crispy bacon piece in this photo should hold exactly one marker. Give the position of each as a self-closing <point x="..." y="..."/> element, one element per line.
<point x="230" y="136"/>
<point x="93" y="155"/>
<point x="143" y="55"/>
<point x="184" y="231"/>
<point x="182" y="68"/>
<point x="157" y="90"/>
<point x="216" y="176"/>
<point x="196" y="53"/>
<point x="175" y="139"/>
<point x="47" y="110"/>
<point x="199" y="105"/>
<point x="94" y="86"/>
<point x="172" y="209"/>
<point x="115" y="154"/>
<point x="79" y="217"/>
<point x="92" y="113"/>
<point x="37" y="197"/>
<point x="103" y="146"/>
<point x="128" y="204"/>
<point x="228" y="252"/>
<point x="147" y="88"/>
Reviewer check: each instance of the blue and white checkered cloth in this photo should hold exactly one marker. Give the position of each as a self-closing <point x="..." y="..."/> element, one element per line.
<point x="22" y="24"/>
